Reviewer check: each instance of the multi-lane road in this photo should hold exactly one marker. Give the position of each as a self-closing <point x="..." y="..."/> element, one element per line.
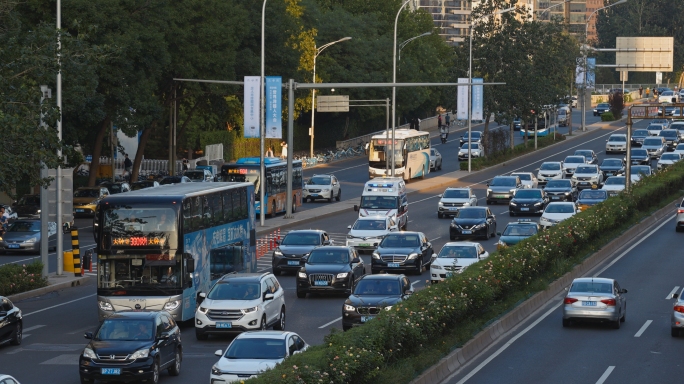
<point x="55" y="322"/>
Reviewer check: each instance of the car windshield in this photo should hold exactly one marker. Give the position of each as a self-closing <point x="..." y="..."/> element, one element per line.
<point x="670" y="156"/>
<point x="471" y="213"/>
<point x="653" y="141"/>
<point x="612" y="163"/>
<point x="29" y="200"/>
<point x="502" y="182"/>
<point x="655" y="127"/>
<point x="583" y="153"/>
<point x="640" y="132"/>
<point x="590" y="286"/>
<point x="658" y="121"/>
<point x="586" y="169"/>
<point x="639" y="153"/>
<point x="574" y="160"/>
<point x="669" y="133"/>
<point x="379" y="202"/>
<point x="370" y="225"/>
<point x="234" y="290"/>
<point x="528" y="194"/>
<point x="319" y="180"/>
<point x="559" y="184"/>
<point x="680" y="147"/>
<point x="474" y="135"/>
<point x="560" y="208"/>
<point x="550" y="167"/>
<point x="433" y="152"/>
<point x="603" y="105"/>
<point x="588" y="194"/>
<point x="668" y="93"/>
<point x="302" y="239"/>
<point x="170" y="180"/>
<point x="523" y="176"/>
<point x="256" y="349"/>
<point x="520" y="230"/>
<point x="458" y="251"/>
<point x="617" y="138"/>
<point x="456" y="194"/>
<point x="645" y="169"/>
<point x="114" y="188"/>
<point x="87" y="193"/>
<point x="382" y="287"/>
<point x="25" y="226"/>
<point x="125" y="330"/>
<point x="472" y="145"/>
<point x="326" y="255"/>
<point x="400" y="241"/>
<point x="194" y="175"/>
<point x="615" y="181"/>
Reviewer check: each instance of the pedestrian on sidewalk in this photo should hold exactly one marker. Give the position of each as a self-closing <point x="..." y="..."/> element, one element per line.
<point x="641" y="91"/>
<point x="439" y="120"/>
<point x="269" y="152"/>
<point x="648" y="92"/>
<point x="283" y="152"/>
<point x="417" y="123"/>
<point x="447" y="119"/>
<point x="655" y="93"/>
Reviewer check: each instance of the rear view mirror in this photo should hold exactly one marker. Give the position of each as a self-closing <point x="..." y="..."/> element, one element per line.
<point x="88" y="335"/>
<point x="348" y="226"/>
<point x="356" y="260"/>
<point x="408" y="292"/>
<point x="623" y="290"/>
<point x="675" y="295"/>
<point x="356" y="208"/>
<point x="268" y="296"/>
<point x="327" y="242"/>
<point x="218" y="353"/>
<point x="440" y="195"/>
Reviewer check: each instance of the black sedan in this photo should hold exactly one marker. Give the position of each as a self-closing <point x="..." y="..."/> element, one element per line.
<point x="638" y="136"/>
<point x="11" y="325"/>
<point x="404" y="251"/>
<point x="526" y="201"/>
<point x="612" y="167"/>
<point x="27" y="206"/>
<point x="334" y="269"/>
<point x="132" y="346"/>
<point x="372" y="295"/>
<point x="296" y="244"/>
<point x="561" y="190"/>
<point x="475" y="137"/>
<point x="478" y="222"/>
<point x="639" y="157"/>
<point x="601" y="108"/>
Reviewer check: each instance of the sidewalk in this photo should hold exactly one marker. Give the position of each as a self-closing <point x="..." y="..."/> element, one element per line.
<point x="441" y="181"/>
<point x="55" y="283"/>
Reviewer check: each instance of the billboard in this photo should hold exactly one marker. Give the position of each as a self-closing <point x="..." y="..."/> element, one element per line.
<point x="644" y="54"/>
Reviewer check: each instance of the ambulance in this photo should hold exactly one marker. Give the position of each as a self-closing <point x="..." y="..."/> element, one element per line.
<point x="385" y="196"/>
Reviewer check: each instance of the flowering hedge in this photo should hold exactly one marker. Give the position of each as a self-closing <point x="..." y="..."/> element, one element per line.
<point x="16" y="278"/>
<point x="359" y="355"/>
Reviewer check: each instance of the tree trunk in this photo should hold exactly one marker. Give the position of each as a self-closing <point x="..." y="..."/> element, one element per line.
<point x="141" y="150"/>
<point x="97" y="151"/>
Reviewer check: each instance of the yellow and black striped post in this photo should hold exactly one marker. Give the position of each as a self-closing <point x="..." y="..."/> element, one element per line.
<point x="76" y="252"/>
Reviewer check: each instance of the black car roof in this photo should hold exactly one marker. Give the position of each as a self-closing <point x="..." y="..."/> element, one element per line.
<point x="382" y="276"/>
<point x="332" y="248"/>
<point x="143" y="314"/>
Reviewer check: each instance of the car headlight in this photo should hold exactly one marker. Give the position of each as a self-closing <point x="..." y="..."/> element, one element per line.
<point x="413" y="256"/>
<point x="301" y="275"/>
<point x="105" y="306"/>
<point x="249" y="310"/>
<point x="478" y="226"/>
<point x="440" y="204"/>
<point x="348" y="307"/>
<point x="89" y="353"/>
<point x="376" y="256"/>
<point x="387" y="308"/>
<point x="489" y="191"/>
<point x="31" y="240"/>
<point x="325" y="190"/>
<point x="435" y="266"/>
<point x="567" y="193"/>
<point x="171" y="305"/>
<point x="277" y="252"/>
<point x="513" y="204"/>
<point x="501" y="243"/>
<point x="595" y="110"/>
<point x="140" y="354"/>
<point x="512" y="191"/>
<point x="202" y="309"/>
<point x="350" y="237"/>
<point x="215" y="371"/>
<point x="537" y="204"/>
<point x="342" y="275"/>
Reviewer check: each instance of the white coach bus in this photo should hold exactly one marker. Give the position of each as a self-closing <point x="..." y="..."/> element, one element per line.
<point x="412" y="154"/>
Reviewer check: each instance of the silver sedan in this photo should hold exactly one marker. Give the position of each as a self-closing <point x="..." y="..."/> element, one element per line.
<point x="595" y="298"/>
<point x="677" y="321"/>
<point x="435" y="160"/>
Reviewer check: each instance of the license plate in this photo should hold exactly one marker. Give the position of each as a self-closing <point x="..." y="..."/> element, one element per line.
<point x="13" y="246"/>
<point x="314" y="194"/>
<point x="449" y="274"/>
<point x="467" y="232"/>
<point x="393" y="265"/>
<point x="524" y="209"/>
<point x="364" y="245"/>
<point x="319" y="282"/>
<point x="79" y="210"/>
<point x="111" y="371"/>
<point x="453" y="208"/>
<point x="293" y="262"/>
<point x="224" y="324"/>
<point x="366" y="318"/>
<point x="499" y="196"/>
<point x="555" y="197"/>
<point x="588" y="303"/>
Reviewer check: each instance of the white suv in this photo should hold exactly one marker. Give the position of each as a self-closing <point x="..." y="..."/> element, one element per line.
<point x="550" y="170"/>
<point x="454" y="199"/>
<point x="322" y="187"/>
<point x="241" y="302"/>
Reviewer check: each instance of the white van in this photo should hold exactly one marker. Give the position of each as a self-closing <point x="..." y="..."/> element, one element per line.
<point x="385" y="196"/>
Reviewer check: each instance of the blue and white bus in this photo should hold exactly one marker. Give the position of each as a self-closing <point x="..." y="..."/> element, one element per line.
<point x="158" y="247"/>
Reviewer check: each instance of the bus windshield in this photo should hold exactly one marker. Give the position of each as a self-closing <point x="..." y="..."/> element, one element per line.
<point x="379" y="202"/>
<point x="155" y="274"/>
<point x="380" y="153"/>
<point x="148" y="227"/>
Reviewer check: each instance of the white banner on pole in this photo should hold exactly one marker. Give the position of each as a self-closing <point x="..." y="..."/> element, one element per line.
<point x="462" y="101"/>
<point x="477" y="99"/>
<point x="252" y="104"/>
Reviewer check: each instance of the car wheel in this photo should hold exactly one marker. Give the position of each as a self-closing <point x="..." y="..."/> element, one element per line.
<point x="199" y="335"/>
<point x="616" y="324"/>
<point x="18" y="334"/>
<point x="346" y="328"/>
<point x="566" y="323"/>
<point x="85" y="380"/>
<point x="452" y="238"/>
<point x="440" y="165"/>
<point x="263" y="323"/>
<point x="339" y="195"/>
<point x="440" y="216"/>
<point x="419" y="267"/>
<point x="277" y="272"/>
<point x="624" y="316"/>
<point x="511" y="213"/>
<point x="155" y="372"/>
<point x="301" y="294"/>
<point x="174" y="370"/>
<point x="674" y="332"/>
<point x="280" y="326"/>
<point x="489" y="202"/>
<point x="330" y="199"/>
<point x="678" y="229"/>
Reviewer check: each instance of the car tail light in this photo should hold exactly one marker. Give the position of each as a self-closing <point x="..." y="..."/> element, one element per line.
<point x="569" y="300"/>
<point x="680" y="210"/>
<point x="609" y="302"/>
<point x="679" y="308"/>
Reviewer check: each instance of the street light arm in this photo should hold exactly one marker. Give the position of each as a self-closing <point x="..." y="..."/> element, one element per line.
<point x="322" y="47"/>
<point x="586" y="27"/>
<point x="500" y="12"/>
<point x="403" y="44"/>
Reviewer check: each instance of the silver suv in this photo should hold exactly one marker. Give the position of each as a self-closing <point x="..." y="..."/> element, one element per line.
<point x="454" y="199"/>
<point x="322" y="187"/>
<point x="241" y="302"/>
<point x="680" y="216"/>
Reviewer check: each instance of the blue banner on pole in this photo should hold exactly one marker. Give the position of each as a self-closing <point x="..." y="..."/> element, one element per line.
<point x="478" y="94"/>
<point x="274" y="97"/>
<point x="591" y="72"/>
<point x="252" y="104"/>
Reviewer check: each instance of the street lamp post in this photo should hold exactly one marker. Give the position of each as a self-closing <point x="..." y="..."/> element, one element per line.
<point x="394" y="80"/>
<point x="405" y="42"/>
<point x="313" y="91"/>
<point x="470" y="78"/>
<point x="584" y="63"/>
<point x="262" y="128"/>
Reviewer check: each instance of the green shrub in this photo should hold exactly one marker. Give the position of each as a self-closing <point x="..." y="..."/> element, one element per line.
<point x="357" y="356"/>
<point x="607" y="116"/>
<point x="16" y="278"/>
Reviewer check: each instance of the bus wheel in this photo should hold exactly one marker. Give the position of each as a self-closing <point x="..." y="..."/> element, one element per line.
<point x="273" y="211"/>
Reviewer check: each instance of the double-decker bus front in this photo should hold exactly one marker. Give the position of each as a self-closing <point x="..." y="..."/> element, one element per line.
<point x="140" y="266"/>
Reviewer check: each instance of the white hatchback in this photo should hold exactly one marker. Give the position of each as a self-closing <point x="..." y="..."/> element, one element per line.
<point x="368" y="231"/>
<point x="557" y="212"/>
<point x="550" y="170"/>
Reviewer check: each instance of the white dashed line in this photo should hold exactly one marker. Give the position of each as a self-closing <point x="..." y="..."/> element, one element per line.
<point x="605" y="375"/>
<point x="669" y="295"/>
<point x="330" y="323"/>
<point x="643" y="328"/>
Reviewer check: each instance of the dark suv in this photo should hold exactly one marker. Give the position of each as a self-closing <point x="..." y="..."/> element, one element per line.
<point x="27" y="206"/>
<point x="132" y="346"/>
<point x="404" y="251"/>
<point x="372" y="294"/>
<point x="296" y="244"/>
<point x="333" y="269"/>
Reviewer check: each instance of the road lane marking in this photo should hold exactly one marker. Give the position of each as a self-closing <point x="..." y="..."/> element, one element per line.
<point x="643" y="328"/>
<point x="605" y="375"/>
<point x="669" y="296"/>
<point x="32" y="328"/>
<point x="59" y="305"/>
<point x="330" y="323"/>
<point x="84" y="248"/>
